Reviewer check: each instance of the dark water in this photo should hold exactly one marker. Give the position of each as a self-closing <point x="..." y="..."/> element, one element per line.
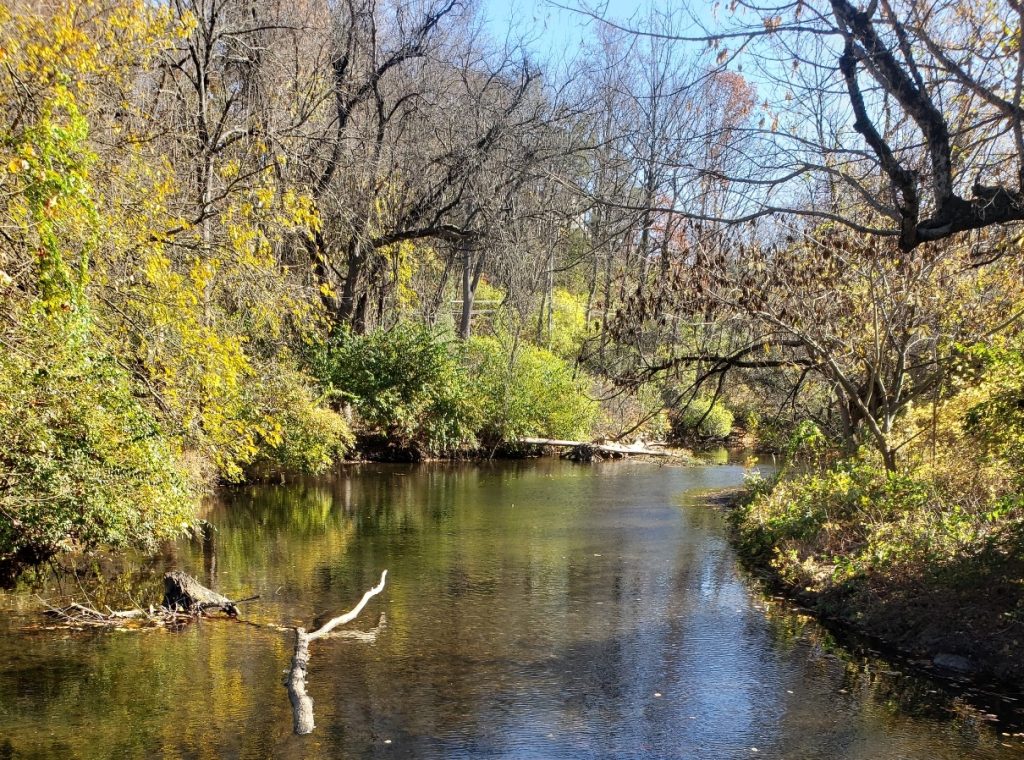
<point x="538" y="610"/>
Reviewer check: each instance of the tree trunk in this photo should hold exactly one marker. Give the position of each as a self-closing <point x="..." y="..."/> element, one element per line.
<point x="471" y="271"/>
<point x="468" y="294"/>
<point x="183" y="592"/>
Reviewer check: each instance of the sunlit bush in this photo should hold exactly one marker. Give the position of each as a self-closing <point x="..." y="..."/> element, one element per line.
<point x="83" y="462"/>
<point x="527" y="391"/>
<point x="702" y="418"/>
<point x="955" y="490"/>
<point x="568" y="323"/>
<point x="407" y="384"/>
<point x="306" y="436"/>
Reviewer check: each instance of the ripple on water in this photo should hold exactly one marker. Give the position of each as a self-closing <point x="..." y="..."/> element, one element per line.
<point x="534" y="610"/>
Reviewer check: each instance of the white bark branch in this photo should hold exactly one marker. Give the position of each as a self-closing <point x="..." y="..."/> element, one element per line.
<point x="302" y="703"/>
<point x="351" y="615"/>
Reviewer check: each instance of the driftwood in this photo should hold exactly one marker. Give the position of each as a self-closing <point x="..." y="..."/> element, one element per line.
<point x="183" y="593"/>
<point x="78" y="615"/>
<point x="185" y="599"/>
<point x="585" y="451"/>
<point x="302" y="703"/>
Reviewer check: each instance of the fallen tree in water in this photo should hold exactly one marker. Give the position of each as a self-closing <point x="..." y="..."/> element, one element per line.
<point x="302" y="703"/>
<point x="186" y="599"/>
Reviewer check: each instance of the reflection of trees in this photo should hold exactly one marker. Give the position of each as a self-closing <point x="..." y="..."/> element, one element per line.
<point x="502" y="624"/>
<point x="137" y="695"/>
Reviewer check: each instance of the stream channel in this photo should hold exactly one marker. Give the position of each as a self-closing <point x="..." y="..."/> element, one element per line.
<point x="537" y="609"/>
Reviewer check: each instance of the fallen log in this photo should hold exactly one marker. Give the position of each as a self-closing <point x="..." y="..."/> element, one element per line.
<point x="302" y="703"/>
<point x="586" y="451"/>
<point x="183" y="593"/>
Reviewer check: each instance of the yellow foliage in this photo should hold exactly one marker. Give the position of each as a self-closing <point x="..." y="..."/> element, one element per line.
<point x="180" y="303"/>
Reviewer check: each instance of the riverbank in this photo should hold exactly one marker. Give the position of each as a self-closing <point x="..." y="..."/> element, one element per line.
<point x="956" y="613"/>
<point x="377" y="448"/>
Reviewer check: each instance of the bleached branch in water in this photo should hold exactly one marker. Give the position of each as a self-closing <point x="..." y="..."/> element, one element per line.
<point x="302" y="703"/>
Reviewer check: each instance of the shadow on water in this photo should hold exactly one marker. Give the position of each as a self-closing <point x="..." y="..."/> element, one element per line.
<point x="533" y="610"/>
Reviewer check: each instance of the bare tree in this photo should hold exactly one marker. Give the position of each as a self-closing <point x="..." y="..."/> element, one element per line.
<point x="433" y="133"/>
<point x="901" y="119"/>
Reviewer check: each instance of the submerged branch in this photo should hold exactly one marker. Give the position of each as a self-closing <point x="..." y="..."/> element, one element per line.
<point x="302" y="703"/>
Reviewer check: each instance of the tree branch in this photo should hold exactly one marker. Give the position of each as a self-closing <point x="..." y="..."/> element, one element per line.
<point x="302" y="703"/>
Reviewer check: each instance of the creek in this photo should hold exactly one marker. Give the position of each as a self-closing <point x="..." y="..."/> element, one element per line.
<point x="535" y="609"/>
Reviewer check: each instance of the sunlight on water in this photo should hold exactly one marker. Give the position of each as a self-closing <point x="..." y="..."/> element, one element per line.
<point x="534" y="610"/>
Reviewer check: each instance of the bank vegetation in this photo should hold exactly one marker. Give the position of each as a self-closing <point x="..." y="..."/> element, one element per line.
<point x="244" y="239"/>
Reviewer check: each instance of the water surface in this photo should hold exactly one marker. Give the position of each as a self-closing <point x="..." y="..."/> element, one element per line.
<point x="533" y="610"/>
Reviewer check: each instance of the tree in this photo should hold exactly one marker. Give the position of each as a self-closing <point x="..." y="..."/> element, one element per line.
<point x="834" y="308"/>
<point x="432" y="133"/>
<point x="932" y="92"/>
<point x="918" y="141"/>
<point x="83" y="459"/>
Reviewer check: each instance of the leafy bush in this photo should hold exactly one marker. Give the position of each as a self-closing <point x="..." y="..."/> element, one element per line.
<point x="307" y="437"/>
<point x="527" y="392"/>
<point x="996" y="420"/>
<point x="314" y="438"/>
<point x="569" y="323"/>
<point x="854" y="520"/>
<point x="425" y="391"/>
<point x="702" y="418"/>
<point x="82" y="462"/>
<point x="406" y="383"/>
<point x="957" y="488"/>
<point x="765" y="425"/>
<point x="939" y="538"/>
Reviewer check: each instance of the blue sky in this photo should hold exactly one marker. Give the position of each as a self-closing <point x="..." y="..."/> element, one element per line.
<point x="552" y="31"/>
<point x="555" y="34"/>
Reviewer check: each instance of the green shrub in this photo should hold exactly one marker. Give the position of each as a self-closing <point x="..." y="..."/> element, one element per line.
<point x="407" y="384"/>
<point x="314" y="438"/>
<point x="702" y="418"/>
<point x="307" y="437"/>
<point x="996" y="421"/>
<point x="83" y="462"/>
<point x="528" y="392"/>
<point x="854" y="519"/>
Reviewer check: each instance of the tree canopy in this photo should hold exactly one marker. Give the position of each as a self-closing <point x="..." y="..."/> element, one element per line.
<point x="239" y="238"/>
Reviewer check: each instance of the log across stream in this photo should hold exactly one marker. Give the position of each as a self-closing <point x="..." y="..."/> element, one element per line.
<point x="589" y="451"/>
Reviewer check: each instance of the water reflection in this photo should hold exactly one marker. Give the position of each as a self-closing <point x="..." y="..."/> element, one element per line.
<point x="533" y="610"/>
